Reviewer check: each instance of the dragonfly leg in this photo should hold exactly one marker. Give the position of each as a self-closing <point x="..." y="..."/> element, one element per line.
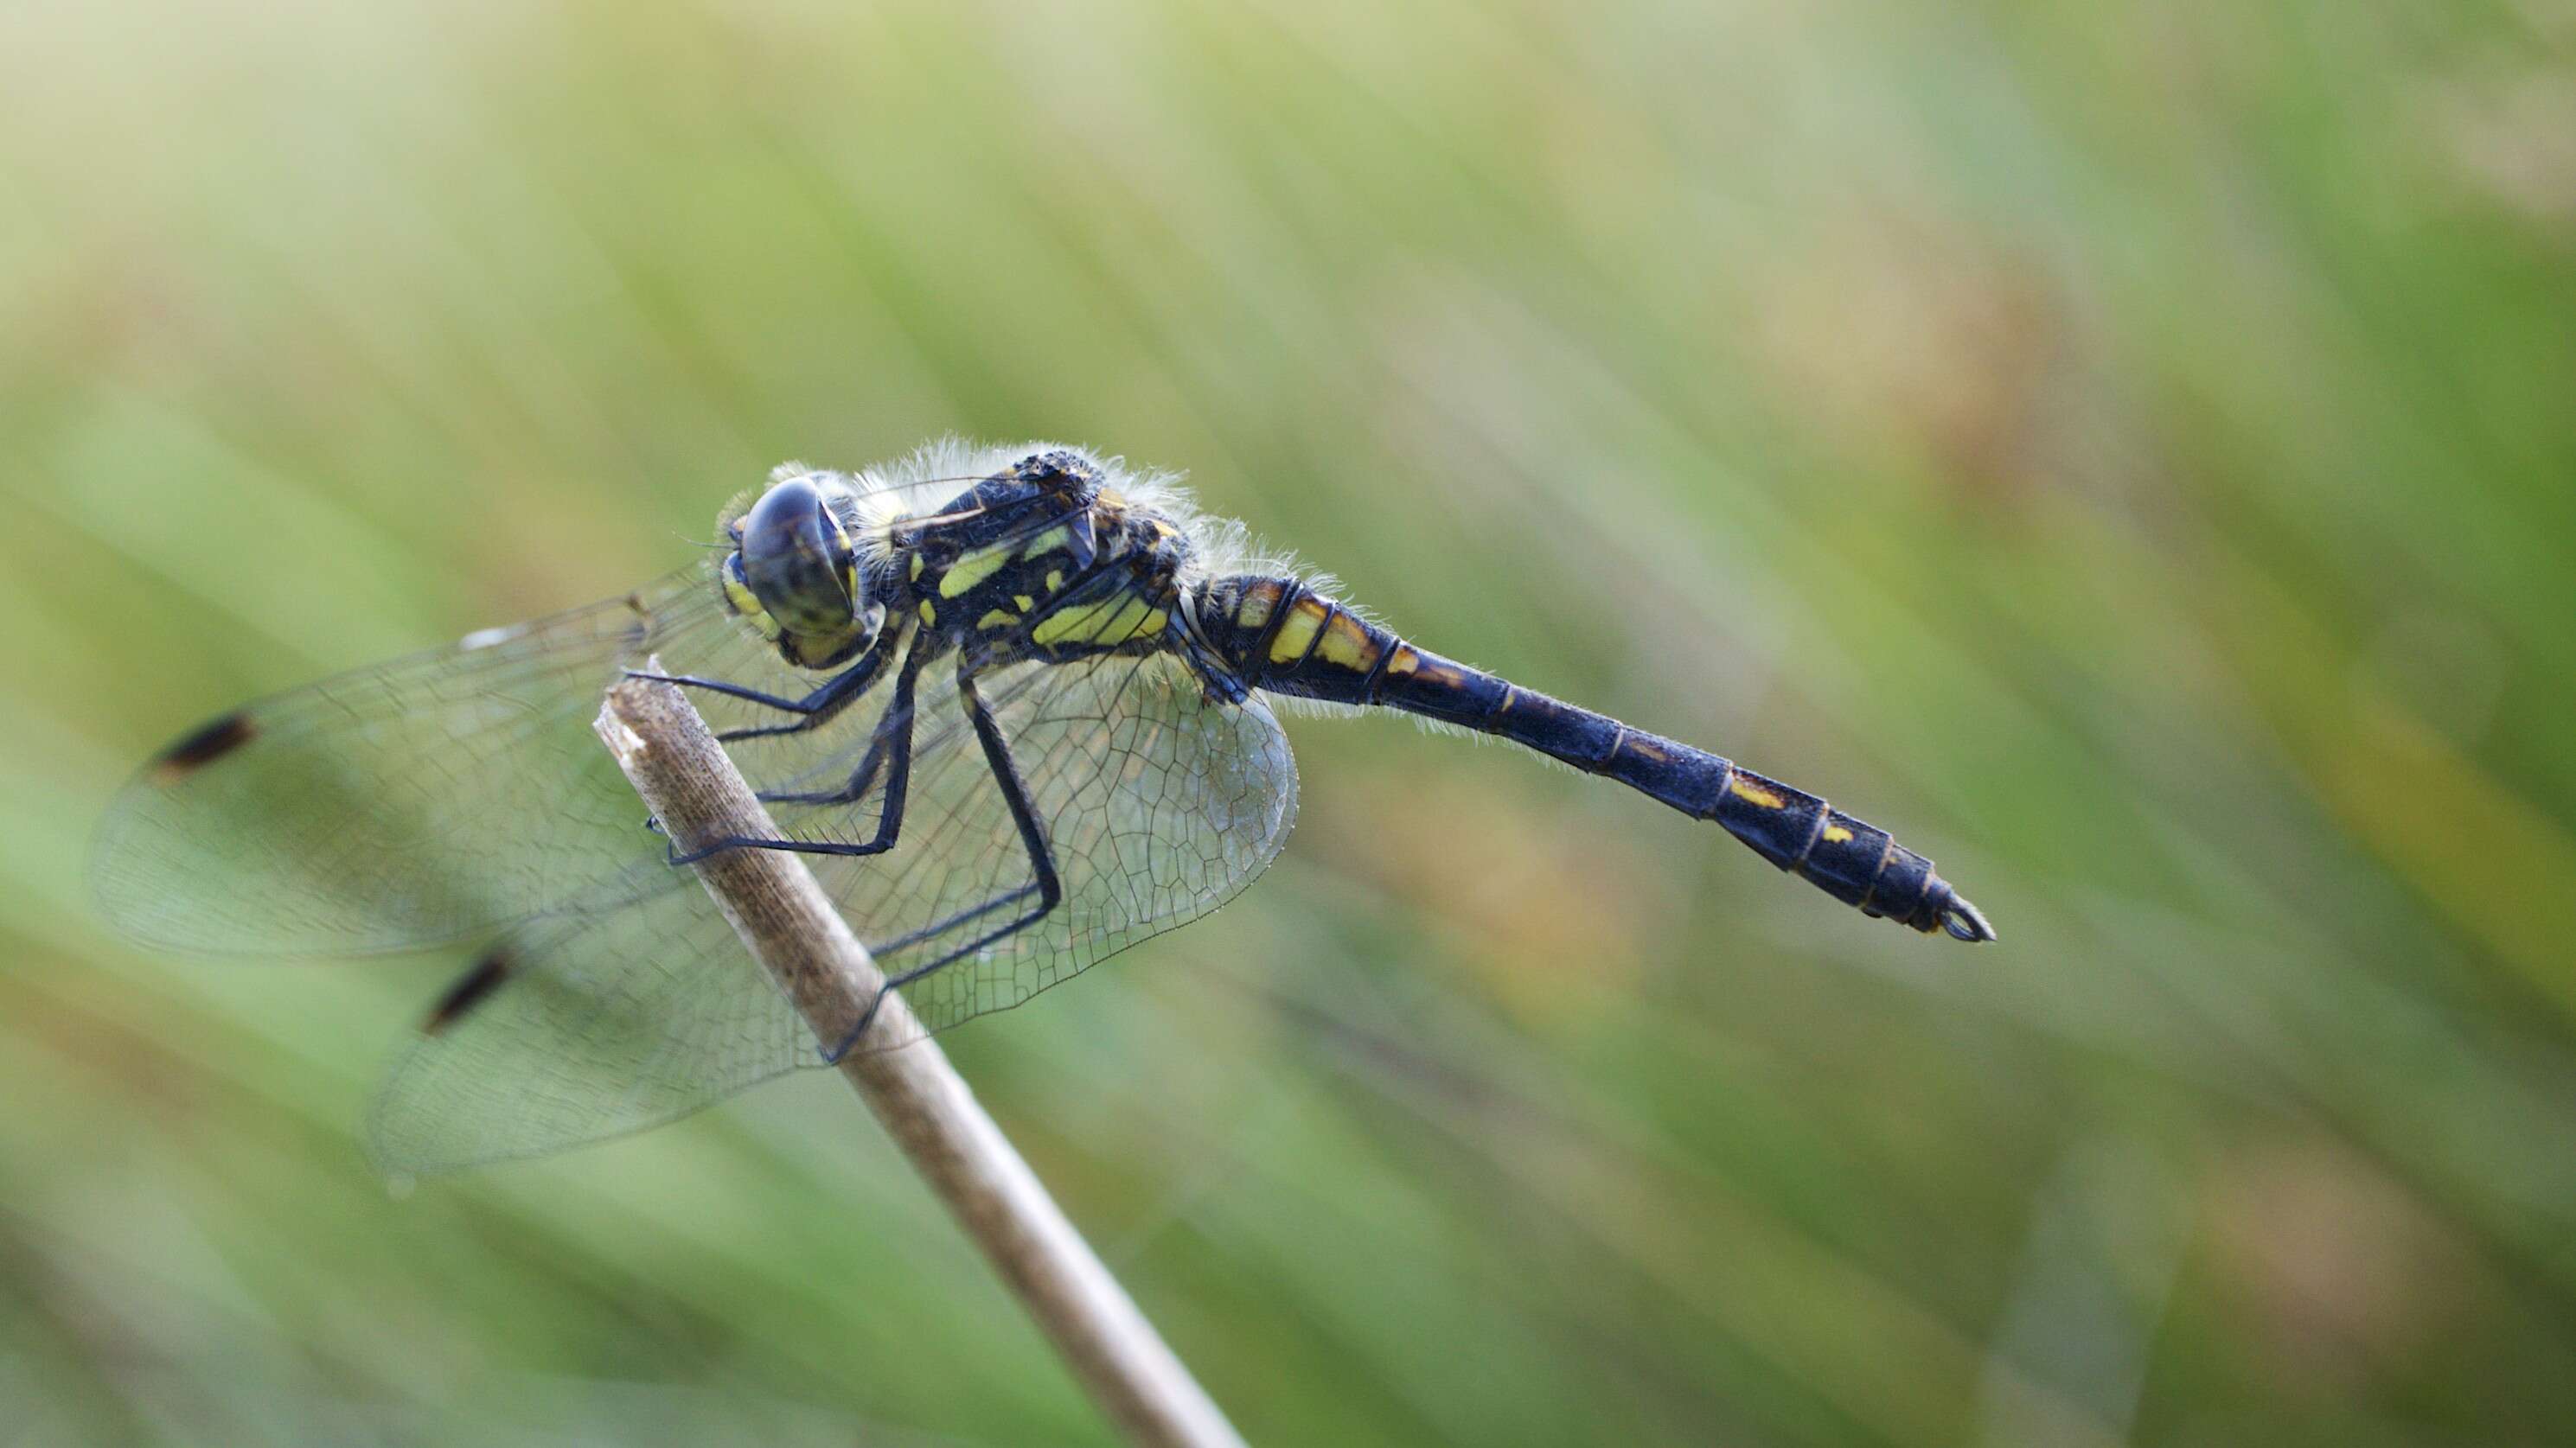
<point x="779" y="702"/>
<point x="1045" y="883"/>
<point x="813" y="711"/>
<point x="893" y="742"/>
<point x="886" y="744"/>
<point x="863" y="778"/>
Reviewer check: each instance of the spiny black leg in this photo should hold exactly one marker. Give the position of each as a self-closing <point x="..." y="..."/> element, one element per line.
<point x="813" y="711"/>
<point x="893" y="742"/>
<point x="898" y="717"/>
<point x="732" y="691"/>
<point x="860" y="780"/>
<point x="1047" y="885"/>
<point x="826" y="703"/>
<point x="1015" y="791"/>
<point x="931" y="932"/>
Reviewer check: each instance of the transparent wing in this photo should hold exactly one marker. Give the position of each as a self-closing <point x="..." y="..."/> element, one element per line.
<point x="601" y="1025"/>
<point x="436" y="797"/>
<point x="1158" y="805"/>
<point x="412" y="803"/>
<point x="405" y="804"/>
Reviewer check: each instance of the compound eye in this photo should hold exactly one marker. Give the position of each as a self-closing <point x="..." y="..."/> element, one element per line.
<point x="797" y="561"/>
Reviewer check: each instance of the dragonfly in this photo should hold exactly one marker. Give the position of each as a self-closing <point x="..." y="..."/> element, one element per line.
<point x="1012" y="705"/>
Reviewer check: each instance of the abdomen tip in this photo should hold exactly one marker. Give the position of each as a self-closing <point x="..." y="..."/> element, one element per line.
<point x="1965" y="921"/>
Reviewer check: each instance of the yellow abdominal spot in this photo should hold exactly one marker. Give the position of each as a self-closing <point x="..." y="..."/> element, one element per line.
<point x="1404" y="663"/>
<point x="1254" y="610"/>
<point x="970" y="570"/>
<point x="1297" y="633"/>
<point x="1756" y="794"/>
<point x="1346" y="644"/>
<point x="1836" y="834"/>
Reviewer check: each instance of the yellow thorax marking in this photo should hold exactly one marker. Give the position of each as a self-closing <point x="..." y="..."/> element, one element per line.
<point x="929" y="613"/>
<point x="1057" y="538"/>
<point x="998" y="618"/>
<point x="1055" y="580"/>
<point x="1111" y="621"/>
<point x="971" y="569"/>
<point x="1076" y="620"/>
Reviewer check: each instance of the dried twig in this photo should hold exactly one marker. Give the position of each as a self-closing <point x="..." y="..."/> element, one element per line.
<point x="793" y="930"/>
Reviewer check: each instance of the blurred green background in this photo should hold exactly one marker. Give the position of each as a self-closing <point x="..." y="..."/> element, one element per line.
<point x="2128" y="451"/>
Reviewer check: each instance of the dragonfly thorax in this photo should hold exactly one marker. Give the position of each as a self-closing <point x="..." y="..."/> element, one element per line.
<point x="1043" y="560"/>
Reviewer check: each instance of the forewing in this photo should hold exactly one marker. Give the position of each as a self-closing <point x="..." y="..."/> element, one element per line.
<point x="436" y="797"/>
<point x="403" y="804"/>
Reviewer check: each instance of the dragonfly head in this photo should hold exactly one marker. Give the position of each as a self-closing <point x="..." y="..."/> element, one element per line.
<point x="795" y="577"/>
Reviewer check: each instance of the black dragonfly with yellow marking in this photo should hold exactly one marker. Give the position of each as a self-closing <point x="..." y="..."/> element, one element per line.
<point x="1010" y="703"/>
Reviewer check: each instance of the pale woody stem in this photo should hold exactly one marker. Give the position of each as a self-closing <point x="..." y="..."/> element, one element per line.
<point x="795" y="933"/>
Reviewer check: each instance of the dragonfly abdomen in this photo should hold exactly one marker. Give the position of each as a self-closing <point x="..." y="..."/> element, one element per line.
<point x="1282" y="636"/>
